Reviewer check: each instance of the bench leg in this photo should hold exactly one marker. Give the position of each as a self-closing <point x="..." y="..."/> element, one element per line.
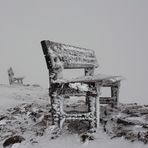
<point x="55" y="109"/>
<point x="86" y="100"/>
<point x="21" y="81"/>
<point x="93" y="110"/>
<point x="115" y="94"/>
<point x="57" y="114"/>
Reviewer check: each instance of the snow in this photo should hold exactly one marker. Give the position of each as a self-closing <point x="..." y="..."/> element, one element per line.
<point x="79" y="86"/>
<point x="95" y="78"/>
<point x="11" y="96"/>
<point x="73" y="141"/>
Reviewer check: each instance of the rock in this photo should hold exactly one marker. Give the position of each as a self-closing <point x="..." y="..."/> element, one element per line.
<point x="128" y="121"/>
<point x="145" y="126"/>
<point x="56" y="133"/>
<point x="12" y="140"/>
<point x="3" y="117"/>
<point x="143" y="136"/>
<point x="36" y="85"/>
<point x="131" y="136"/>
<point x="125" y="121"/>
<point x="143" y="111"/>
<point x="86" y="136"/>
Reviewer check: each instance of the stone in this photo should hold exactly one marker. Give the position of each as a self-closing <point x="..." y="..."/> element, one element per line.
<point x="12" y="140"/>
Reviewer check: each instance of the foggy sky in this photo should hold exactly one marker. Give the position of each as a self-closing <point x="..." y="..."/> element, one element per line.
<point x="116" y="29"/>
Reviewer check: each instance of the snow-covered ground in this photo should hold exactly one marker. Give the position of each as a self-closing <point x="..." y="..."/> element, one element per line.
<point x="11" y="96"/>
<point x="73" y="141"/>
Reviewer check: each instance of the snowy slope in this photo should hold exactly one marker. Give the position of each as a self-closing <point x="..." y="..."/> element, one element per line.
<point x="11" y="96"/>
<point x="16" y="95"/>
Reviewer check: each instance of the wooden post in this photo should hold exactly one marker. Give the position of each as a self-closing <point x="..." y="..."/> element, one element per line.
<point x="98" y="87"/>
<point x="115" y="93"/>
<point x="92" y="103"/>
<point x="55" y="104"/>
<point x="62" y="119"/>
<point x="92" y="108"/>
<point x="88" y="72"/>
<point x="55" y="109"/>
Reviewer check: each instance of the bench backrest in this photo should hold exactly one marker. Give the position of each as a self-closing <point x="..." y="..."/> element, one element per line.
<point x="70" y="57"/>
<point x="11" y="75"/>
<point x="10" y="72"/>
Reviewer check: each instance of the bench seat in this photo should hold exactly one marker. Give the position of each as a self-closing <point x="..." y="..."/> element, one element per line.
<point x="90" y="79"/>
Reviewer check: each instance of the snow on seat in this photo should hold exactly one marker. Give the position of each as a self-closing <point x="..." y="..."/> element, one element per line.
<point x="95" y="78"/>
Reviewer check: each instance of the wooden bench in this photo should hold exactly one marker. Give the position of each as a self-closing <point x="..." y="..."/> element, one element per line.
<point x="12" y="79"/>
<point x="62" y="56"/>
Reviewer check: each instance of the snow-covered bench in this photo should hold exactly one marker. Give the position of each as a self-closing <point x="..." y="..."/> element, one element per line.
<point x="62" y="56"/>
<point x="13" y="79"/>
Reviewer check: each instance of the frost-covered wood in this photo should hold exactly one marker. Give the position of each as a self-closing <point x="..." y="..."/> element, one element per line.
<point x="71" y="56"/>
<point x="61" y="56"/>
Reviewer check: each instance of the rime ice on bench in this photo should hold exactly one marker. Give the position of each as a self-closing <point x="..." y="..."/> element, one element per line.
<point x="62" y="56"/>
